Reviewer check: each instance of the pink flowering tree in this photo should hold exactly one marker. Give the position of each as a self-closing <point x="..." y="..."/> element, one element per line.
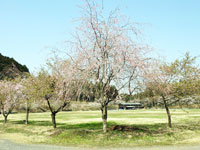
<point x="107" y="51"/>
<point x="57" y="87"/>
<point x="173" y="81"/>
<point x="160" y="81"/>
<point x="10" y="94"/>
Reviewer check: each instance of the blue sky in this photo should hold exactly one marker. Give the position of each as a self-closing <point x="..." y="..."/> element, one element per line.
<point x="30" y="28"/>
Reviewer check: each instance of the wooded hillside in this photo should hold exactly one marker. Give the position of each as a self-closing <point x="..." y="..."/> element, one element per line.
<point x="10" y="68"/>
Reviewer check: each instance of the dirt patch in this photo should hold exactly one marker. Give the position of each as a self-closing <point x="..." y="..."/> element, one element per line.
<point x="55" y="132"/>
<point x="126" y="128"/>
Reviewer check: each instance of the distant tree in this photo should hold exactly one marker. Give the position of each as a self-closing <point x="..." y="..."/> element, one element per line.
<point x="87" y="93"/>
<point x="90" y="92"/>
<point x="127" y="97"/>
<point x="189" y="77"/>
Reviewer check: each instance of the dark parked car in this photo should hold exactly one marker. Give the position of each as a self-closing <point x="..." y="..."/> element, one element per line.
<point x="128" y="106"/>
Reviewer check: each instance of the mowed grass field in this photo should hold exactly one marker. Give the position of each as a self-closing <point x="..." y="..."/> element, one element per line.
<point x="84" y="128"/>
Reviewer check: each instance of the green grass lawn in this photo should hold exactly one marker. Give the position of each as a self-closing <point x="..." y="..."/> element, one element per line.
<point x="84" y="128"/>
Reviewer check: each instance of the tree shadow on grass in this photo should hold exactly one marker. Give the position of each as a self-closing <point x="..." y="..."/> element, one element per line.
<point x="92" y="129"/>
<point x="97" y="126"/>
<point x="90" y="126"/>
<point x="150" y="129"/>
<point x="86" y="126"/>
<point x="36" y="123"/>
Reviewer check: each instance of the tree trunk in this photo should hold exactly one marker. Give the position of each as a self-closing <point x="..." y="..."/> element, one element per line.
<point x="5" y="118"/>
<point x="53" y="116"/>
<point x="5" y="115"/>
<point x="27" y="115"/>
<point x="168" y="112"/>
<point x="104" y="118"/>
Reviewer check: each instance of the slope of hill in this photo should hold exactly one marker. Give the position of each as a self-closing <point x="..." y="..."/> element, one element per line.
<point x="10" y="68"/>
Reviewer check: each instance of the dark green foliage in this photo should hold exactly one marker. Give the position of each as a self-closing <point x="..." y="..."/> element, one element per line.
<point x="92" y="92"/>
<point x="9" y="68"/>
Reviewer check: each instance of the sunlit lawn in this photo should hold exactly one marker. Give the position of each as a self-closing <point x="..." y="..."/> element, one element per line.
<point x="83" y="128"/>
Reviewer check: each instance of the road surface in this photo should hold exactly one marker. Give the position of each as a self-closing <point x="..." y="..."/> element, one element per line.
<point x="8" y="145"/>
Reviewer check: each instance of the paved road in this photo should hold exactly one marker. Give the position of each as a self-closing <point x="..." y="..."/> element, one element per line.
<point x="7" y="145"/>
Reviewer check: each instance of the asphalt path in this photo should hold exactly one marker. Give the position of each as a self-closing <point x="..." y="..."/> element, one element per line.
<point x="8" y="145"/>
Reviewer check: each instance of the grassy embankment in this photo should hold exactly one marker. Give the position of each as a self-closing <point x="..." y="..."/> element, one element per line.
<point x="84" y="128"/>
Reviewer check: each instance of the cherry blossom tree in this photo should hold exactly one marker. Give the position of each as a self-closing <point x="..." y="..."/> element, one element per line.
<point x="10" y="94"/>
<point x="107" y="49"/>
<point x="173" y="81"/>
<point x="160" y="81"/>
<point x="57" y="86"/>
